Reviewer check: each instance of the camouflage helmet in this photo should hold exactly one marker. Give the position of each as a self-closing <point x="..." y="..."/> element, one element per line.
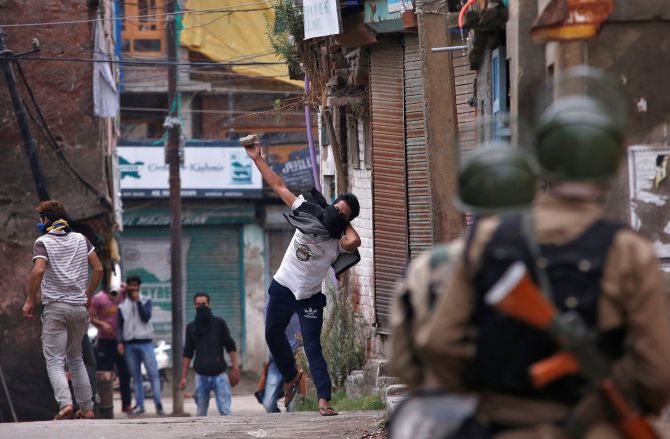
<point x="578" y="139"/>
<point x="496" y="178"/>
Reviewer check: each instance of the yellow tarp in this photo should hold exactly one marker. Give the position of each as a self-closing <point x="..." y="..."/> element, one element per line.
<point x="236" y="35"/>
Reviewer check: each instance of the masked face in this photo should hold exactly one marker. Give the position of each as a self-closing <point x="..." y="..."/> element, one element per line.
<point x="203" y="315"/>
<point x="203" y="312"/>
<point x="334" y="222"/>
<point x="42" y="226"/>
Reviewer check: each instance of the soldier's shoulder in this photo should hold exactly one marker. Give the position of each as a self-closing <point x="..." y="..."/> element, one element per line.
<point x="437" y="256"/>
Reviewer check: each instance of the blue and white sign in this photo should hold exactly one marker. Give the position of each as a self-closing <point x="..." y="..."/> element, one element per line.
<point x="208" y="172"/>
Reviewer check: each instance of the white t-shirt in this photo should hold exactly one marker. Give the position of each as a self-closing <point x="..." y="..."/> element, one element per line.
<point x="306" y="261"/>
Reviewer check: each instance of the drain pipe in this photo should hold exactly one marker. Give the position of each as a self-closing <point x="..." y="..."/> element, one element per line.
<point x="310" y="139"/>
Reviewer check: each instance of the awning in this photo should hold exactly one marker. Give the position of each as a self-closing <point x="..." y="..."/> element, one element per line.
<point x="237" y="35"/>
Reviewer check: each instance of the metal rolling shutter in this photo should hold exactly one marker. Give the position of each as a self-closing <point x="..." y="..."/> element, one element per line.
<point x="214" y="267"/>
<point x="464" y="79"/>
<point x="279" y="241"/>
<point x="389" y="177"/>
<point x="418" y="182"/>
<point x="212" y="263"/>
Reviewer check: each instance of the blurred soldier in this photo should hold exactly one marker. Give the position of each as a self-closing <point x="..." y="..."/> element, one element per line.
<point x="603" y="272"/>
<point x="495" y="179"/>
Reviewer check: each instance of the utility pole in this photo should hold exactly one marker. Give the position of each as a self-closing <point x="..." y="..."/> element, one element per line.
<point x="173" y="125"/>
<point x="440" y="117"/>
<point x="6" y="58"/>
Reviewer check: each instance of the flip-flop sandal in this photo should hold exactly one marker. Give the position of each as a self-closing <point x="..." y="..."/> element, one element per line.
<point x="66" y="412"/>
<point x="327" y="411"/>
<point x="293" y="390"/>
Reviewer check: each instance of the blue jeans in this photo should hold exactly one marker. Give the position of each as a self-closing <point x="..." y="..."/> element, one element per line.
<point x="274" y="389"/>
<point x="282" y="304"/>
<point x="136" y="354"/>
<point x="222" y="393"/>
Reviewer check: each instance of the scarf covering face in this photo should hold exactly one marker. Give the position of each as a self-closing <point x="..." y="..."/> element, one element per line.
<point x="203" y="317"/>
<point x="333" y="221"/>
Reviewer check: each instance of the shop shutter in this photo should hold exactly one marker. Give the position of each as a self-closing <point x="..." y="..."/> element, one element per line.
<point x="418" y="181"/>
<point x="214" y="267"/>
<point x="279" y="241"/>
<point x="212" y="264"/>
<point x="388" y="171"/>
<point x="145" y="251"/>
<point x="464" y="80"/>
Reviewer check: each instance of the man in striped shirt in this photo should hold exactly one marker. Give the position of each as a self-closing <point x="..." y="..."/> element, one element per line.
<point x="60" y="267"/>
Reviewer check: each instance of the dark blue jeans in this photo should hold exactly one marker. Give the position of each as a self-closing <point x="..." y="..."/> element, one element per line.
<point x="282" y="304"/>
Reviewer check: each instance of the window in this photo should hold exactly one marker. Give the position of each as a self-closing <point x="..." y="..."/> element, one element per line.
<point x="143" y="32"/>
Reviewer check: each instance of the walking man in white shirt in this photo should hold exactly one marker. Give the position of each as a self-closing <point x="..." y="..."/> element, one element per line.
<point x="323" y="238"/>
<point x="60" y="267"/>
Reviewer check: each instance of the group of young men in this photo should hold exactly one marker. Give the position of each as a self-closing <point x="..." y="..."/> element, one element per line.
<point x="449" y="332"/>
<point x="61" y="258"/>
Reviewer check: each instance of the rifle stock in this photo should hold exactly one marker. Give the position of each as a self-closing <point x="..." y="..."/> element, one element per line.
<point x="552" y="368"/>
<point x="631" y="423"/>
<point x="516" y="295"/>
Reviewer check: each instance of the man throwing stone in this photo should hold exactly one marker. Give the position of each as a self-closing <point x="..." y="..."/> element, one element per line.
<point x="323" y="238"/>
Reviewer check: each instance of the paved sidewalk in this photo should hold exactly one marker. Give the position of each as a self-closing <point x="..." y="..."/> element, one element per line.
<point x="281" y="425"/>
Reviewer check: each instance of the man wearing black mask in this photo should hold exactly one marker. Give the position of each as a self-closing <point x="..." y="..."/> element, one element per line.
<point x="206" y="337"/>
<point x="323" y="238"/>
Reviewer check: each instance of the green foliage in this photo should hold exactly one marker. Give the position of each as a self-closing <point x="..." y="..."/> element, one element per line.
<point x="343" y="346"/>
<point x="341" y="402"/>
<point x="285" y="32"/>
<point x="277" y="104"/>
<point x="359" y="111"/>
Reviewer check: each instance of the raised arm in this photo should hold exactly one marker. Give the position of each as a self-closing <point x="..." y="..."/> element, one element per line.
<point x="271" y="178"/>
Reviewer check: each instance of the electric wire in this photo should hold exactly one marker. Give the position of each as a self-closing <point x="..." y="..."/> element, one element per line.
<point x="161" y="14"/>
<point x="63" y="51"/>
<point x="48" y="136"/>
<point x="220" y="63"/>
<point x="165" y="110"/>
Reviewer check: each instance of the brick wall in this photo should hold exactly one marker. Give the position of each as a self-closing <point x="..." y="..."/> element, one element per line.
<point x="361" y="276"/>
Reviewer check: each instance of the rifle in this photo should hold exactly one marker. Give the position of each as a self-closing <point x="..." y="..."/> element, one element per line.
<point x="516" y="295"/>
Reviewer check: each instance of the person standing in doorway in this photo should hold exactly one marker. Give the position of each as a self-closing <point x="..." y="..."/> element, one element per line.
<point x="323" y="238"/>
<point x="61" y="259"/>
<point x="104" y="312"/>
<point x="206" y="338"/>
<point x="135" y="334"/>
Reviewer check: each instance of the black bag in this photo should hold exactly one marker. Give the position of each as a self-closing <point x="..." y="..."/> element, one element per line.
<point x="437" y="415"/>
